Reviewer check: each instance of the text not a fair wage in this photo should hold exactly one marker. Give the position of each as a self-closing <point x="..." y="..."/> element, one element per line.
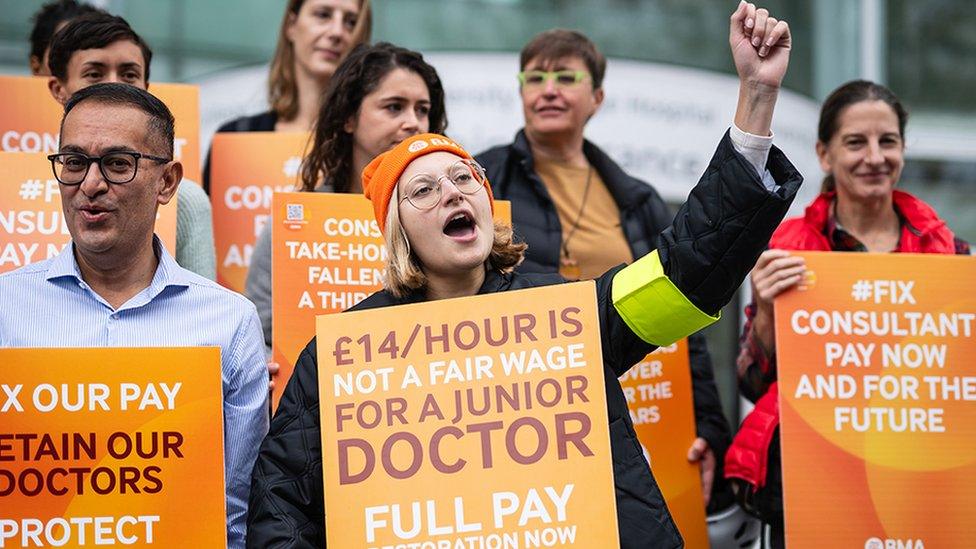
<point x="478" y="367"/>
<point x="90" y="397"/>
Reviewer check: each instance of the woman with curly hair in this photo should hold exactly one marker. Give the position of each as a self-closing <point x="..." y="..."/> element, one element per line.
<point x="379" y="96"/>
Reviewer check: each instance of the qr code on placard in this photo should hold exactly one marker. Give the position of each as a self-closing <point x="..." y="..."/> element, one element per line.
<point x="296" y="212"/>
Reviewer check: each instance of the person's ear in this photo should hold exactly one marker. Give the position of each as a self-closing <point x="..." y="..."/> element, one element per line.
<point x="172" y="176"/>
<point x="58" y="90"/>
<point x="598" y="97"/>
<point x="36" y="66"/>
<point x="823" y="156"/>
<point x="290" y="28"/>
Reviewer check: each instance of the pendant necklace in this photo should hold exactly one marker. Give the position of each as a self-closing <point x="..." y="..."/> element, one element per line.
<point x="568" y="266"/>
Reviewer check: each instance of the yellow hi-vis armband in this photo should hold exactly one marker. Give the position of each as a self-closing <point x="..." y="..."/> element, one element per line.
<point x="652" y="306"/>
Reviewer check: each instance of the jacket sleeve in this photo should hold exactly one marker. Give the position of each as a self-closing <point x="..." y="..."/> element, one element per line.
<point x="286" y="507"/>
<point x="710" y="246"/>
<point x="257" y="285"/>
<point x="710" y="422"/>
<point x="194" y="231"/>
<point x="755" y="368"/>
<point x="726" y="222"/>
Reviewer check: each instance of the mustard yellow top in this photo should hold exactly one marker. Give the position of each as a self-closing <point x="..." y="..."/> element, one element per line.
<point x="598" y="242"/>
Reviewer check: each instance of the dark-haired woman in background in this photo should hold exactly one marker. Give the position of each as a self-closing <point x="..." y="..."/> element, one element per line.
<point x="379" y="96"/>
<point x="315" y="36"/>
<point x="861" y="147"/>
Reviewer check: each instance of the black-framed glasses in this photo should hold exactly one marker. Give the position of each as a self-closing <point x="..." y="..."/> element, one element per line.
<point x="118" y="167"/>
<point x="423" y="190"/>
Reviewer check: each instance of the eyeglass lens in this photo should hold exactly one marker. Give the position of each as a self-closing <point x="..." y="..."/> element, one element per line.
<point x="72" y="169"/>
<point x="424" y="190"/>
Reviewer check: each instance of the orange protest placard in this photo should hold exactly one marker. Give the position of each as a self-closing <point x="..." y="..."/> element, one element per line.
<point x="111" y="446"/>
<point x="878" y="401"/>
<point x="327" y="255"/>
<point x="659" y="396"/>
<point x="246" y="169"/>
<point x="30" y="118"/>
<point x="467" y="422"/>
<point x="32" y="225"/>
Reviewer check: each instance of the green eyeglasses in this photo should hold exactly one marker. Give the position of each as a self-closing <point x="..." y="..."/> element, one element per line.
<point x="561" y="79"/>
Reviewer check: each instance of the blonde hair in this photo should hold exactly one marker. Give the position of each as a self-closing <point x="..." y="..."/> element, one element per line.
<point x="282" y="88"/>
<point x="405" y="274"/>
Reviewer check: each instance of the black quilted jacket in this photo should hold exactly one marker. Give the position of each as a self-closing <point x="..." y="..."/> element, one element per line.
<point x="707" y="251"/>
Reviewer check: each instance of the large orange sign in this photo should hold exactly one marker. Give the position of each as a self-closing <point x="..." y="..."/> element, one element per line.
<point x="111" y="446"/>
<point x="246" y="169"/>
<point x="32" y="224"/>
<point x="30" y="118"/>
<point x="658" y="392"/>
<point x="328" y="254"/>
<point x="878" y="401"/>
<point x="467" y="422"/>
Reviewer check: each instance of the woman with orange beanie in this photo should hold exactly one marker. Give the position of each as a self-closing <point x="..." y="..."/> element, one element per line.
<point x="434" y="206"/>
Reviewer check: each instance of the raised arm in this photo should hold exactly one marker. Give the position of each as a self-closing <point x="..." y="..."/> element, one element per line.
<point x="728" y="218"/>
<point x="761" y="47"/>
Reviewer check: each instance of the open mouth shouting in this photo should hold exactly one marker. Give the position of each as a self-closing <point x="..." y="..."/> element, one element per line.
<point x="461" y="227"/>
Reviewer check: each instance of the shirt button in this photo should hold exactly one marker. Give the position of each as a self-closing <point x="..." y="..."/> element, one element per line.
<point x="115" y="316"/>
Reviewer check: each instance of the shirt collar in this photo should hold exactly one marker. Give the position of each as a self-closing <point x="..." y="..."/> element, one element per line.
<point x="168" y="272"/>
<point x="843" y="241"/>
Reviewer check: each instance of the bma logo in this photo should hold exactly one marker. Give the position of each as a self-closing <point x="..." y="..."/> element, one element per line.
<point x="417" y="146"/>
<point x="877" y="543"/>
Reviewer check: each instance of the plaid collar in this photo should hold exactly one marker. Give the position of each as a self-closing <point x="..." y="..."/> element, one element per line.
<point x="843" y="241"/>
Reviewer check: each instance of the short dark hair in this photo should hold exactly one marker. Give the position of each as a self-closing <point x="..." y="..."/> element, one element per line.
<point x="92" y="31"/>
<point x="846" y="95"/>
<point x="555" y="44"/>
<point x="161" y="123"/>
<point x="355" y="78"/>
<point x="47" y="19"/>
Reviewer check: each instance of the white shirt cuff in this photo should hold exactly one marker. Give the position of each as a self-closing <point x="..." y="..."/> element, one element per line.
<point x="755" y="149"/>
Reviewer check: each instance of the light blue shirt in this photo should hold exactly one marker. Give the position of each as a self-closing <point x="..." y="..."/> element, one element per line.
<point x="47" y="304"/>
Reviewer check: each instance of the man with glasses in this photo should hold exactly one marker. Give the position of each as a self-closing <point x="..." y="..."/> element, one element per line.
<point x="115" y="285"/>
<point x="581" y="214"/>
<point x="99" y="47"/>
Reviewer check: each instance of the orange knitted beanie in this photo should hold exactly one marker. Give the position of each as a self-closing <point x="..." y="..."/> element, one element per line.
<point x="382" y="174"/>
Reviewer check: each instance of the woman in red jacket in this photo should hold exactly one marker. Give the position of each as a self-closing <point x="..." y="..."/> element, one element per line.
<point x="861" y="148"/>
